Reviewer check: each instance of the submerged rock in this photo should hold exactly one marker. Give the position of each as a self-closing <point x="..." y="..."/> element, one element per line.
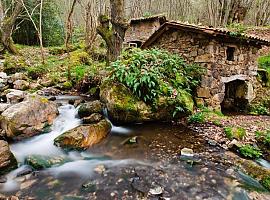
<point x="86" y="109"/>
<point x="84" y="136"/>
<point x="28" y="117"/>
<point x="39" y="162"/>
<point x="7" y="160"/>
<point x="124" y="107"/>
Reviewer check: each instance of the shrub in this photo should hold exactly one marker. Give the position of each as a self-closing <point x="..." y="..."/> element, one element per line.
<point x="198" y="117"/>
<point x="235" y="132"/>
<point x="263" y="137"/>
<point x="150" y="74"/>
<point x="264" y="63"/>
<point x="249" y="151"/>
<point x="260" y="109"/>
<point x="80" y="57"/>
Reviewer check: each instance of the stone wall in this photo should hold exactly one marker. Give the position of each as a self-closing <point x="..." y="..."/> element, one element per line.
<point x="211" y="54"/>
<point x="141" y="31"/>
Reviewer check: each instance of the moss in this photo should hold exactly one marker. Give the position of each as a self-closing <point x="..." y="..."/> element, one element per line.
<point x="67" y="85"/>
<point x="80" y="57"/>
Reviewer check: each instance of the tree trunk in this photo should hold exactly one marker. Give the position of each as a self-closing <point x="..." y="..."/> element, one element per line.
<point x="69" y="26"/>
<point x="7" y="26"/>
<point x="114" y="37"/>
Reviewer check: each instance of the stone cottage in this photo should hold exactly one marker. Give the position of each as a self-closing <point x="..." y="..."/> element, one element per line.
<point x="230" y="59"/>
<point x="141" y="29"/>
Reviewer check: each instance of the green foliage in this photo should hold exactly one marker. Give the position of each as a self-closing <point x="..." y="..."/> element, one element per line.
<point x="198" y="117"/>
<point x="80" y="57"/>
<point x="235" y="132"/>
<point x="249" y="151"/>
<point x="264" y="63"/>
<point x="237" y="29"/>
<point x="154" y="73"/>
<point x="260" y="109"/>
<point x="14" y="64"/>
<point x="36" y="71"/>
<point x="266" y="182"/>
<point x="264" y="137"/>
<point x="229" y="132"/>
<point x="52" y="25"/>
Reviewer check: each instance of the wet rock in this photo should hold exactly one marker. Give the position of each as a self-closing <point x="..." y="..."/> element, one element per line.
<point x="28" y="117"/>
<point x="14" y="96"/>
<point x="3" y="179"/>
<point x="86" y="109"/>
<point x="187" y="152"/>
<point x="94" y="118"/>
<point x="156" y="191"/>
<point x="89" y="186"/>
<point x="50" y="91"/>
<point x="100" y="169"/>
<point x="7" y="160"/>
<point x="21" y="85"/>
<point x="27" y="170"/>
<point x="84" y="136"/>
<point x="132" y="140"/>
<point x="52" y="98"/>
<point x="38" y="162"/>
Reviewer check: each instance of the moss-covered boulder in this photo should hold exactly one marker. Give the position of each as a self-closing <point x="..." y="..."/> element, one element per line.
<point x="84" y="136"/>
<point x="38" y="162"/>
<point x="7" y="160"/>
<point x="28" y="117"/>
<point x="86" y="109"/>
<point x="124" y="107"/>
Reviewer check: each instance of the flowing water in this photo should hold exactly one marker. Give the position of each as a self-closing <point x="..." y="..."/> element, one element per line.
<point x="133" y="162"/>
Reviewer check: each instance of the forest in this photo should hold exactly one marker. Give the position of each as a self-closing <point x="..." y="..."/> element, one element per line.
<point x="135" y="99"/>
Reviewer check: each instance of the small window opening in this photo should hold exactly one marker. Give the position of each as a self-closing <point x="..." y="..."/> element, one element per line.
<point x="230" y="53"/>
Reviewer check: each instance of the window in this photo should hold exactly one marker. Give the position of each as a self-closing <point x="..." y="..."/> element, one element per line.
<point x="230" y="53"/>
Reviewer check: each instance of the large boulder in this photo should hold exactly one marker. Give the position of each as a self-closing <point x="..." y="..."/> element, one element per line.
<point x="86" y="109"/>
<point x="84" y="136"/>
<point x="124" y="107"/>
<point x="28" y="117"/>
<point x="7" y="160"/>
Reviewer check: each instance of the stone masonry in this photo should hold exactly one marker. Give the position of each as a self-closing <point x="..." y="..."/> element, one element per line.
<point x="210" y="50"/>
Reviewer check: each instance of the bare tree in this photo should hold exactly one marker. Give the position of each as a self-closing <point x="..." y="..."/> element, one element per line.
<point x="114" y="37"/>
<point x="8" y="16"/>
<point x="90" y="17"/>
<point x="69" y="24"/>
<point x="37" y="27"/>
<point x="262" y="12"/>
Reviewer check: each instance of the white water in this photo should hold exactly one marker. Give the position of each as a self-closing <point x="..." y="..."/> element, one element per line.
<point x="43" y="144"/>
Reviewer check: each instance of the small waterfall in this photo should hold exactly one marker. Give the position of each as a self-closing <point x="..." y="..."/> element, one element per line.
<point x="43" y="144"/>
<point x="116" y="129"/>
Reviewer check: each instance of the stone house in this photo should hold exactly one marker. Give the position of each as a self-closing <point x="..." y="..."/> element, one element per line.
<point x="230" y="60"/>
<point x="141" y="29"/>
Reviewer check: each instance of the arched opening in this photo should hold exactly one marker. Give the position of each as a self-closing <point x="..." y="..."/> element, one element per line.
<point x="235" y="97"/>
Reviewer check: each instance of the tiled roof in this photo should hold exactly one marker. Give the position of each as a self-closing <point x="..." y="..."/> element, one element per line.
<point x="211" y="32"/>
<point x="152" y="17"/>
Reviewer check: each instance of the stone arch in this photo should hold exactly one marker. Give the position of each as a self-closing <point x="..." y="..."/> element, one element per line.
<point x="238" y="93"/>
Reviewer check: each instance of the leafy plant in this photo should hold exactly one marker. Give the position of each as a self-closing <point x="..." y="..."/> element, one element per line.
<point x="249" y="151"/>
<point x="198" y="117"/>
<point x="260" y="109"/>
<point x="235" y="132"/>
<point x="36" y="72"/>
<point x="229" y="132"/>
<point x="152" y="73"/>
